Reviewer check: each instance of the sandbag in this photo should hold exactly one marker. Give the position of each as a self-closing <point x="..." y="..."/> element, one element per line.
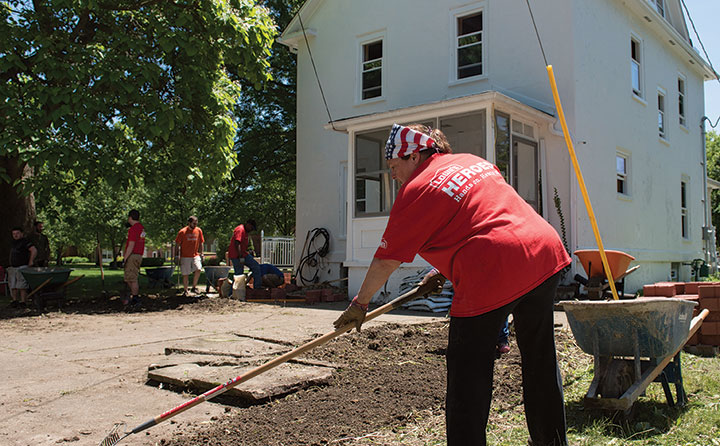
<point x="238" y="287"/>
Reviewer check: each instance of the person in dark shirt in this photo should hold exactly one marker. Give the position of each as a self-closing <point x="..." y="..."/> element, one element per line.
<point x="271" y="276"/>
<point x="22" y="255"/>
<point x="41" y="243"/>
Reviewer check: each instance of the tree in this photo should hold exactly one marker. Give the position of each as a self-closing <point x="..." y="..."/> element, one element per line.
<point x="263" y="181"/>
<point x="124" y="91"/>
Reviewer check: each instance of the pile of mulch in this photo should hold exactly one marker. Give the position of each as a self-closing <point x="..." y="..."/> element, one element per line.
<point x="386" y="374"/>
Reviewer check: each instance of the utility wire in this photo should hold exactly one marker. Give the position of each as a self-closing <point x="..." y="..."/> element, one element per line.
<point x="316" y="73"/>
<point x="536" y="32"/>
<point x="699" y="40"/>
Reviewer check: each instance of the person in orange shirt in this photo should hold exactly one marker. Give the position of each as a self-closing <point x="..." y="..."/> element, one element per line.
<point x="189" y="247"/>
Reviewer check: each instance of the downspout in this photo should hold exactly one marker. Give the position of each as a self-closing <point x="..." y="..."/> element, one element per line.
<point x="707" y="230"/>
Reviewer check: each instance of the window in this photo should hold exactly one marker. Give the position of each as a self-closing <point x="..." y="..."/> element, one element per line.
<point x="374" y="188"/>
<point x="636" y="66"/>
<point x="372" y="60"/>
<point x="681" y="101"/>
<point x="469" y="45"/>
<point x="684" y="210"/>
<point x="661" y="114"/>
<point x="502" y="144"/>
<point x="466" y="134"/>
<point x="659" y="6"/>
<point x="621" y="168"/>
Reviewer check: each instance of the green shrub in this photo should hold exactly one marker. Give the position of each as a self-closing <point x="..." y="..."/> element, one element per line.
<point x="212" y="261"/>
<point x="75" y="259"/>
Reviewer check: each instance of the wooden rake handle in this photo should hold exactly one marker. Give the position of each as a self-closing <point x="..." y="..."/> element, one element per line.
<point x="38" y="288"/>
<point x="422" y="289"/>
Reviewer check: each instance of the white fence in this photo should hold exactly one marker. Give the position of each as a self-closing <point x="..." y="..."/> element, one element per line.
<point x="280" y="251"/>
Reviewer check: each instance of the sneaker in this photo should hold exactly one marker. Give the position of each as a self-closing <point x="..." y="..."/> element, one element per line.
<point x="503" y="348"/>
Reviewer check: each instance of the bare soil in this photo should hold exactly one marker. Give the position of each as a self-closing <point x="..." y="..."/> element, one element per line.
<point x="386" y="375"/>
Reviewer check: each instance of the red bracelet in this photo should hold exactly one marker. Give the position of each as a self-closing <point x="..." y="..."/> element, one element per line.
<point x="358" y="304"/>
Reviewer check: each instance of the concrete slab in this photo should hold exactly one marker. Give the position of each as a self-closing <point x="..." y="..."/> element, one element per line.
<point x="281" y="380"/>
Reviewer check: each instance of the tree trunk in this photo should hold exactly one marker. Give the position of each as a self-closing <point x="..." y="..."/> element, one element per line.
<point x="16" y="209"/>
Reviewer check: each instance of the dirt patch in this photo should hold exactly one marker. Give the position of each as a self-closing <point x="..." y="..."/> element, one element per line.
<point x="386" y="375"/>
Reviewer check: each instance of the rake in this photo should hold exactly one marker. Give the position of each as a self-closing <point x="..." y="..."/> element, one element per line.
<point x="118" y="433"/>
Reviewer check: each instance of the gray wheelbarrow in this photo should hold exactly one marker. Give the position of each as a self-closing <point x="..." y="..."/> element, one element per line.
<point x="634" y="343"/>
<point x="213" y="273"/>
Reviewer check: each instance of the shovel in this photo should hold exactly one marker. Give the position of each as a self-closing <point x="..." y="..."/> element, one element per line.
<point x="115" y="435"/>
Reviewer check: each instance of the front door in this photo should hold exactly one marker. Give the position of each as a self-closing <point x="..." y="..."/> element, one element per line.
<point x="525" y="170"/>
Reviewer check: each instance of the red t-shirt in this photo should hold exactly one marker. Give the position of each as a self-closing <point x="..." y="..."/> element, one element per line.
<point x="460" y="215"/>
<point x="136" y="233"/>
<point x="189" y="241"/>
<point x="240" y="235"/>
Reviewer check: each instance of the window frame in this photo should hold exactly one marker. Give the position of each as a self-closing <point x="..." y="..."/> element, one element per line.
<point x="684" y="208"/>
<point x="624" y="177"/>
<point x="362" y="42"/>
<point x="662" y="113"/>
<point x="455" y="16"/>
<point x="634" y="39"/>
<point x="682" y="100"/>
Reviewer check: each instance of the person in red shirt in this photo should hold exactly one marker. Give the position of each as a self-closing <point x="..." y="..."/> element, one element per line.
<point x="189" y="248"/>
<point x="239" y="255"/>
<point x="457" y="212"/>
<point x="134" y="249"/>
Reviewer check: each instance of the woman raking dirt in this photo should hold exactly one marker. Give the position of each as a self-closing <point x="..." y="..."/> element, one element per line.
<point x="457" y="212"/>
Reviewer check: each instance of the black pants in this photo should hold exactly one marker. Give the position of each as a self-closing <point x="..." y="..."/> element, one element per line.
<point x="470" y="362"/>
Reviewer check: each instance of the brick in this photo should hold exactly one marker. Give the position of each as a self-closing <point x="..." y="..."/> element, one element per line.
<point x="339" y="297"/>
<point x="714" y="316"/>
<point x="327" y="295"/>
<point x="706" y="291"/>
<point x="291" y="287"/>
<point x="692" y="287"/>
<point x="690" y="297"/>
<point x="313" y="296"/>
<point x="711" y="303"/>
<point x="278" y="293"/>
<point x="710" y="328"/>
<point x="694" y="340"/>
<point x="709" y="339"/>
<point x="649" y="290"/>
<point x="680" y="288"/>
<point x="665" y="289"/>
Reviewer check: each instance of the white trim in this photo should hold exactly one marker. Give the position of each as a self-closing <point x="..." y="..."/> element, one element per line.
<point x="360" y="42"/>
<point x="663" y="134"/>
<point x="454" y="14"/>
<point x="635" y="37"/>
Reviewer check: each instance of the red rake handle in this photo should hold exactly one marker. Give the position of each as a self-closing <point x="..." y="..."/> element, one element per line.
<point x="419" y="290"/>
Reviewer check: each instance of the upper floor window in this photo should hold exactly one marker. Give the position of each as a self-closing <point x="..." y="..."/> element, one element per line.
<point x="659" y="6"/>
<point x="684" y="227"/>
<point x="621" y="168"/>
<point x="681" y="101"/>
<point x="372" y="61"/>
<point x="469" y="45"/>
<point x="661" y="115"/>
<point x="636" y="66"/>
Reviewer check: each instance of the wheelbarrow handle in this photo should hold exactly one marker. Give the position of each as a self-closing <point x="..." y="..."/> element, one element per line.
<point x="71" y="281"/>
<point x="38" y="288"/>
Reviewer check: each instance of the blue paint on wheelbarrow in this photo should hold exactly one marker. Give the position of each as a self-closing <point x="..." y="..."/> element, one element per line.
<point x="610" y="328"/>
<point x="213" y="273"/>
<point x="161" y="276"/>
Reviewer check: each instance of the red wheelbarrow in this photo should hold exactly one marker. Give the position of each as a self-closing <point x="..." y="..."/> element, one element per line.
<point x="596" y="281"/>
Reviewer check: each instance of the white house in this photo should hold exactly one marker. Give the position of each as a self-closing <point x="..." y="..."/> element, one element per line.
<point x="631" y="85"/>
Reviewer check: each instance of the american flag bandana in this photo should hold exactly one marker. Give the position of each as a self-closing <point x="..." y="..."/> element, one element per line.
<point x="404" y="141"/>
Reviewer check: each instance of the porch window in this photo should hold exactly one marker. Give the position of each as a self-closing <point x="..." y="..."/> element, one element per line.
<point x="469" y="43"/>
<point x="636" y="66"/>
<point x="661" y="115"/>
<point x="684" y="210"/>
<point x="502" y="144"/>
<point x="374" y="188"/>
<point x="621" y="168"/>
<point x="372" y="61"/>
<point x="516" y="156"/>
<point x="466" y="134"/>
<point x="681" y="101"/>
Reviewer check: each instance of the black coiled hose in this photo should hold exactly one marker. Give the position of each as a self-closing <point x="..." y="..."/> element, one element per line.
<point x="314" y="252"/>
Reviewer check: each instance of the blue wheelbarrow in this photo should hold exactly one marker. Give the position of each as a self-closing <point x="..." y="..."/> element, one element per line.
<point x="634" y="343"/>
<point x="213" y="273"/>
<point x="160" y="277"/>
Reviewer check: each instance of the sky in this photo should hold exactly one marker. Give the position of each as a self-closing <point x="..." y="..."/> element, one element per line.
<point x="706" y="15"/>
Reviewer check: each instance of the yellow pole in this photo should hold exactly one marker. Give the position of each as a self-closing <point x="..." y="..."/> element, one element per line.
<point x="581" y="181"/>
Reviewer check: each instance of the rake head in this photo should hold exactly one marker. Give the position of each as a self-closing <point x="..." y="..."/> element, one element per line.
<point x="115" y="435"/>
